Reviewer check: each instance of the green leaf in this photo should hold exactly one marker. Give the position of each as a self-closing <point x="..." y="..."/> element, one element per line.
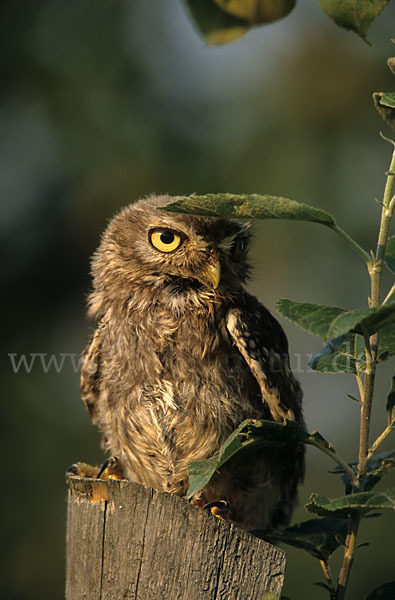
<point x="257" y="12"/>
<point x="391" y="63"/>
<point x="370" y="320"/>
<point x="258" y="206"/>
<point x="316" y="536"/>
<point x="362" y="545"/>
<point x="313" y="318"/>
<point x="379" y="466"/>
<point x="223" y="21"/>
<point x="383" y="592"/>
<point x="330" y="323"/>
<point x="389" y="257"/>
<point x="354" y="398"/>
<point x="252" y="433"/>
<point x="357" y="15"/>
<point x="341" y="507"/>
<point x="386" y="343"/>
<point x="340" y="355"/>
<point x="248" y="206"/>
<point x="214" y="24"/>
<point x="200" y="472"/>
<point x="385" y="105"/>
<point x="387" y="100"/>
<point x="391" y="404"/>
<point x="325" y="586"/>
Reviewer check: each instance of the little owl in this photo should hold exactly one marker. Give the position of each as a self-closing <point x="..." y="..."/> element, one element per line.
<point x="182" y="354"/>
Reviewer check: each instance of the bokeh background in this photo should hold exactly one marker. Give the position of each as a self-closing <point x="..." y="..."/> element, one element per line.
<point x="105" y="102"/>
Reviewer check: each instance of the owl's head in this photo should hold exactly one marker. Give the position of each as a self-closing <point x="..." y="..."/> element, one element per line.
<point x="156" y="252"/>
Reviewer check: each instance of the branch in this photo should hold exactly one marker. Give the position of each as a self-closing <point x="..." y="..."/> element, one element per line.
<point x="380" y="440"/>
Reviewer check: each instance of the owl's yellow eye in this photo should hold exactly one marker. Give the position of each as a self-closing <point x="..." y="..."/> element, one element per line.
<point x="165" y="240"/>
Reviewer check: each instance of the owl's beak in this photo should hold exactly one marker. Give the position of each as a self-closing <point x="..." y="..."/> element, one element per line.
<point x="211" y="274"/>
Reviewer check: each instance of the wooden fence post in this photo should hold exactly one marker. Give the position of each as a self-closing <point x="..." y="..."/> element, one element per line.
<point x="127" y="541"/>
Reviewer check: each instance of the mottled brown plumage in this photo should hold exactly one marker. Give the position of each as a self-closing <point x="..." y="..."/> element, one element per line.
<point x="182" y="354"/>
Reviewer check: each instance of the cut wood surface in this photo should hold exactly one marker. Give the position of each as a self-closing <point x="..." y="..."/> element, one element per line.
<point x="128" y="541"/>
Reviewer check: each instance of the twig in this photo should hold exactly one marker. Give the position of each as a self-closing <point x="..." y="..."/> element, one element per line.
<point x="390" y="293"/>
<point x="352" y="243"/>
<point x="380" y="440"/>
<point x="328" y="576"/>
<point x="345" y="466"/>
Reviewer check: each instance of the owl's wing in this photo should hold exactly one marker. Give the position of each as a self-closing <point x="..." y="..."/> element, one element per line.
<point x="90" y="372"/>
<point x="261" y="341"/>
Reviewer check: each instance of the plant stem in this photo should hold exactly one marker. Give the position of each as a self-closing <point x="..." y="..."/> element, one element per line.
<point x="347" y="469"/>
<point x="348" y="558"/>
<point x="375" y="268"/>
<point x="328" y="577"/>
<point x="390" y="293"/>
<point x="358" y="372"/>
<point x="355" y="516"/>
<point x="366" y="408"/>
<point x="380" y="440"/>
<point x="352" y="243"/>
<point x="375" y="271"/>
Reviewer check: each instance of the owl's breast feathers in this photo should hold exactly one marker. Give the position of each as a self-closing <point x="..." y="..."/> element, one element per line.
<point x="208" y="368"/>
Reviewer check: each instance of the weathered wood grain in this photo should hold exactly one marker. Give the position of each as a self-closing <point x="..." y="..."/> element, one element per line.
<point x="129" y="542"/>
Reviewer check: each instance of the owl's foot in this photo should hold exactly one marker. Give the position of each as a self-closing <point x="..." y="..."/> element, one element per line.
<point x="83" y="470"/>
<point x="111" y="469"/>
<point x="218" y="508"/>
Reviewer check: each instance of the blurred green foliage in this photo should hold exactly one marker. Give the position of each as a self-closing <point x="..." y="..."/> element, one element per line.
<point x="106" y="102"/>
<point x="223" y="21"/>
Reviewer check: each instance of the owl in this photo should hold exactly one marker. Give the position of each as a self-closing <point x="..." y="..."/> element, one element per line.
<point x="182" y="354"/>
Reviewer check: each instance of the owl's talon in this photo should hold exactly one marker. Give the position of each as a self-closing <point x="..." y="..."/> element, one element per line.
<point x="111" y="469"/>
<point x="82" y="470"/>
<point x="218" y="508"/>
